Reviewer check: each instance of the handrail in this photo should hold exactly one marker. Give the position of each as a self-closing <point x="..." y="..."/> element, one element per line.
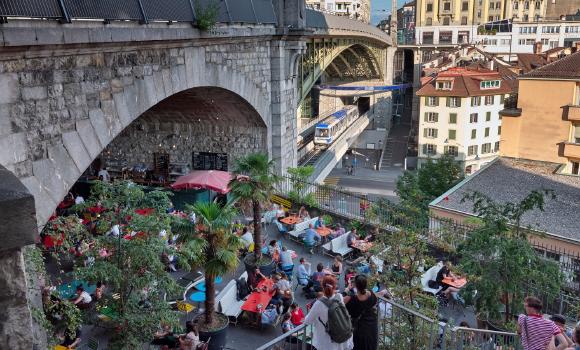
<point x="282" y="337"/>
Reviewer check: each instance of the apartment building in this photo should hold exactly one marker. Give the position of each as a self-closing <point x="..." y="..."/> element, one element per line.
<point x="540" y="150"/>
<point x="459" y="115"/>
<point x="356" y="9"/>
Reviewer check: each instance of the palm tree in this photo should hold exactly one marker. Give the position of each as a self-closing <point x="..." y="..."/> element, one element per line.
<point x="218" y="250"/>
<point x="253" y="184"/>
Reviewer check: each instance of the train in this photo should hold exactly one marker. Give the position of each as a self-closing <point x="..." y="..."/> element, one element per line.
<point x="331" y="127"/>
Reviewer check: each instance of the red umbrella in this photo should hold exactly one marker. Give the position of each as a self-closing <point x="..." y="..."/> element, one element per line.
<point x="214" y="180"/>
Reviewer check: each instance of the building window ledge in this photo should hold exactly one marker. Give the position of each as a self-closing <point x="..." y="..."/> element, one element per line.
<point x="572" y="112"/>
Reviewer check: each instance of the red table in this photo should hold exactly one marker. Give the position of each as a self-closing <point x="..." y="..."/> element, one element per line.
<point x="457" y="283"/>
<point x="323" y="231"/>
<point x="362" y="245"/>
<point x="291" y="220"/>
<point x="260" y="297"/>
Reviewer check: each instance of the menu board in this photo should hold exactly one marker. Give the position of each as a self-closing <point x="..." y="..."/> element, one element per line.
<point x="210" y="161"/>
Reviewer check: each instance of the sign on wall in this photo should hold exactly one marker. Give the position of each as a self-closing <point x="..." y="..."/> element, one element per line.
<point x="210" y="161"/>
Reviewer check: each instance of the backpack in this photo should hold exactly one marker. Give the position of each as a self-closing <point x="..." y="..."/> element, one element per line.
<point x="339" y="325"/>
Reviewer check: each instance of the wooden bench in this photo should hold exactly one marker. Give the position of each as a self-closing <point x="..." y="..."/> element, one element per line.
<point x="285" y="203"/>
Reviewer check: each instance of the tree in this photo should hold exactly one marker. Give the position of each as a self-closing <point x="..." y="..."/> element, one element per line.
<point x="299" y="177"/>
<point x="501" y="262"/>
<point x="253" y="184"/>
<point x="218" y="249"/>
<point x="418" y="188"/>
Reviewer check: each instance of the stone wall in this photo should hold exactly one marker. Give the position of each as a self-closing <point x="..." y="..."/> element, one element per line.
<point x="137" y="143"/>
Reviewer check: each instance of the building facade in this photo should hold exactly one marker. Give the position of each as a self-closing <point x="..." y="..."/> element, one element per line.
<point x="355" y="9"/>
<point x="459" y="116"/>
<point x="543" y="124"/>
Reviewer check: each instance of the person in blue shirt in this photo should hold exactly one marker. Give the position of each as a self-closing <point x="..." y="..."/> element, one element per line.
<point x="303" y="272"/>
<point x="311" y="237"/>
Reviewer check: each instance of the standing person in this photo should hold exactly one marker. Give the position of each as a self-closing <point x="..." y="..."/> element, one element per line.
<point x="103" y="175"/>
<point x="362" y="307"/>
<point x="328" y="315"/>
<point x="535" y="332"/>
<point x="560" y="321"/>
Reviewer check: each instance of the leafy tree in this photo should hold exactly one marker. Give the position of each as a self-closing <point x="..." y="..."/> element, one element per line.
<point x="253" y="184"/>
<point x="500" y="260"/>
<point x="299" y="177"/>
<point x="217" y="249"/>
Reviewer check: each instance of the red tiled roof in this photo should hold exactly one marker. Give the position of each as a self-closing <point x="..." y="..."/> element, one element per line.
<point x="465" y="83"/>
<point x="565" y="68"/>
<point x="530" y="61"/>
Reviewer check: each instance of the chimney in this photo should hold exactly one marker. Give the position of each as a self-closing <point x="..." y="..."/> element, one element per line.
<point x="538" y="47"/>
<point x="394" y="22"/>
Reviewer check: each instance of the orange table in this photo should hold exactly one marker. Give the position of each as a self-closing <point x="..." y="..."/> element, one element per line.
<point x="291" y="220"/>
<point x="323" y="231"/>
<point x="261" y="297"/>
<point x="457" y="283"/>
<point x="362" y="245"/>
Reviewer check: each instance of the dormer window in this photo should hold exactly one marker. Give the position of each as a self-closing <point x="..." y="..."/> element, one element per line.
<point x="489" y="84"/>
<point x="443" y="85"/>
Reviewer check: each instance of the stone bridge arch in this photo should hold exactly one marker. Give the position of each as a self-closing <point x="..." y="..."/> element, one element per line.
<point x="58" y="112"/>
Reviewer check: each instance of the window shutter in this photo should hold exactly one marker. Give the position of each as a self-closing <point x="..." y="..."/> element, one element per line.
<point x="426" y="118"/>
<point x="424" y="149"/>
<point x="452" y="118"/>
<point x="492" y="99"/>
<point x="434" y="149"/>
<point x="425" y="132"/>
<point x="436" y="101"/>
<point x="436" y="117"/>
<point x="426" y="100"/>
<point x="458" y="101"/>
<point x="435" y="133"/>
<point x="448" y="99"/>
<point x="446" y="149"/>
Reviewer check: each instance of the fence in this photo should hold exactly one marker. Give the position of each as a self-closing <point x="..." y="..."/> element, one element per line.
<point x="401" y="327"/>
<point x="144" y="11"/>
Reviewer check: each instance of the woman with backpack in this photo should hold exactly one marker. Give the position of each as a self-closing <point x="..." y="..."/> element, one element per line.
<point x="362" y="307"/>
<point x="331" y="321"/>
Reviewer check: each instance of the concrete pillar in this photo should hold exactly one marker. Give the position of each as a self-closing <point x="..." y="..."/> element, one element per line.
<point x="291" y="13"/>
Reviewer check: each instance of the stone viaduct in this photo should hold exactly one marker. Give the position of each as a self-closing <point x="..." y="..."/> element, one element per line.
<point x="70" y="91"/>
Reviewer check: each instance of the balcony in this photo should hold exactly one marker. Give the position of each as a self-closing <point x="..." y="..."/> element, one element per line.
<point x="510" y="107"/>
<point x="572" y="150"/>
<point x="573" y="112"/>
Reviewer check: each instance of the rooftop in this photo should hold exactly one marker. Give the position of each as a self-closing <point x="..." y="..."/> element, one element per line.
<point x="565" y="68"/>
<point x="510" y="180"/>
<point x="465" y="83"/>
<point x="530" y="61"/>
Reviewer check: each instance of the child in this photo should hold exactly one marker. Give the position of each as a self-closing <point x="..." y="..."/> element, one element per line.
<point x="296" y="314"/>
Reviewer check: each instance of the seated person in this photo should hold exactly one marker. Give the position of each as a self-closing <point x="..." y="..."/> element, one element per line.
<point x="303" y="272"/>
<point x="303" y="213"/>
<point x="281" y="228"/>
<point x="68" y="341"/>
<point x="319" y="222"/>
<point x="273" y="248"/>
<point x="336" y="266"/>
<point x="352" y="237"/>
<point x="254" y="277"/>
<point x="447" y="290"/>
<point x="339" y="231"/>
<point x="311" y="237"/>
<point x="165" y="337"/>
<point x="286" y="258"/>
<point x="296" y="314"/>
<point x="372" y="235"/>
<point x="99" y="292"/>
<point x="315" y="280"/>
<point x="189" y="340"/>
<point x="282" y="293"/>
<point x="83" y="299"/>
<point x="269" y="315"/>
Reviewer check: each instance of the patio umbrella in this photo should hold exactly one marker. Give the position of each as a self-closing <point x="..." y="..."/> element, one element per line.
<point x="214" y="180"/>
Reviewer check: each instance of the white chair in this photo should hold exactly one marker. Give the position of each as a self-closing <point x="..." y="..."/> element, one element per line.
<point x="338" y="245"/>
<point x="227" y="300"/>
<point x="431" y="275"/>
<point x="300" y="228"/>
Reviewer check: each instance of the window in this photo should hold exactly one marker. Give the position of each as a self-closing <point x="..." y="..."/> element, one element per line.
<point x="491" y="5"/>
<point x="489" y="84"/>
<point x="526" y="18"/>
<point x="537" y="5"/>
<point x="453" y="102"/>
<point x="479" y="14"/>
<point x="501" y="99"/>
<point x="431" y="117"/>
<point x="486" y="148"/>
<point x="447" y="6"/>
<point x="432" y="101"/>
<point x="486" y="132"/>
<point x="473" y="133"/>
<point x="452" y="134"/>
<point x="490" y="19"/>
<point x="499" y="130"/>
<point x="551" y="29"/>
<point x="445" y="37"/>
<point x="473" y="118"/>
<point x="575" y="168"/>
<point x="430" y="133"/>
<point x="446" y="21"/>
<point x="496" y="148"/>
<point x="451" y="150"/>
<point x="429" y="149"/>
<point x="464" y="6"/>
<point x="515" y="5"/>
<point x="452" y="118"/>
<point x="472" y="150"/>
<point x="428" y="37"/>
<point x="429" y="21"/>
<point x="463" y="20"/>
<point x="429" y="7"/>
<point x="487" y="116"/>
<point x="526" y="5"/>
<point x="489" y="100"/>
<point x="443" y="85"/>
<point x="476" y="101"/>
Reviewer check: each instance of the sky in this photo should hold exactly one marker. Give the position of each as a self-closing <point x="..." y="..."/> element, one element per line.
<point x="380" y="9"/>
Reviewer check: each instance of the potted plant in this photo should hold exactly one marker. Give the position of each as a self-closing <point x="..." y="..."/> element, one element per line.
<point x="500" y="261"/>
<point x="253" y="184"/>
<point x="217" y="249"/>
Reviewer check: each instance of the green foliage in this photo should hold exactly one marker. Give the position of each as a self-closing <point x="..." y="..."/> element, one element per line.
<point x="299" y="177"/>
<point x="206" y="16"/>
<point x="359" y="226"/>
<point x="500" y="260"/>
<point x="327" y="219"/>
<point x="417" y="189"/>
<point x="253" y="185"/>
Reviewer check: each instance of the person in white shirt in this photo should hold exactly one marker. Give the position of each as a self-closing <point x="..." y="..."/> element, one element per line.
<point x="79" y="199"/>
<point x="286" y="257"/>
<point x="104" y="175"/>
<point x="318" y="317"/>
<point x="83" y="298"/>
<point x="247" y="237"/>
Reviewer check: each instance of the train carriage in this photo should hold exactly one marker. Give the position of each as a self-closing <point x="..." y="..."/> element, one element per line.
<point x="329" y="129"/>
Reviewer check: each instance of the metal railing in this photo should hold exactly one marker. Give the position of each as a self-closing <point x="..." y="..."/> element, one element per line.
<point x="143" y="11"/>
<point x="403" y="327"/>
